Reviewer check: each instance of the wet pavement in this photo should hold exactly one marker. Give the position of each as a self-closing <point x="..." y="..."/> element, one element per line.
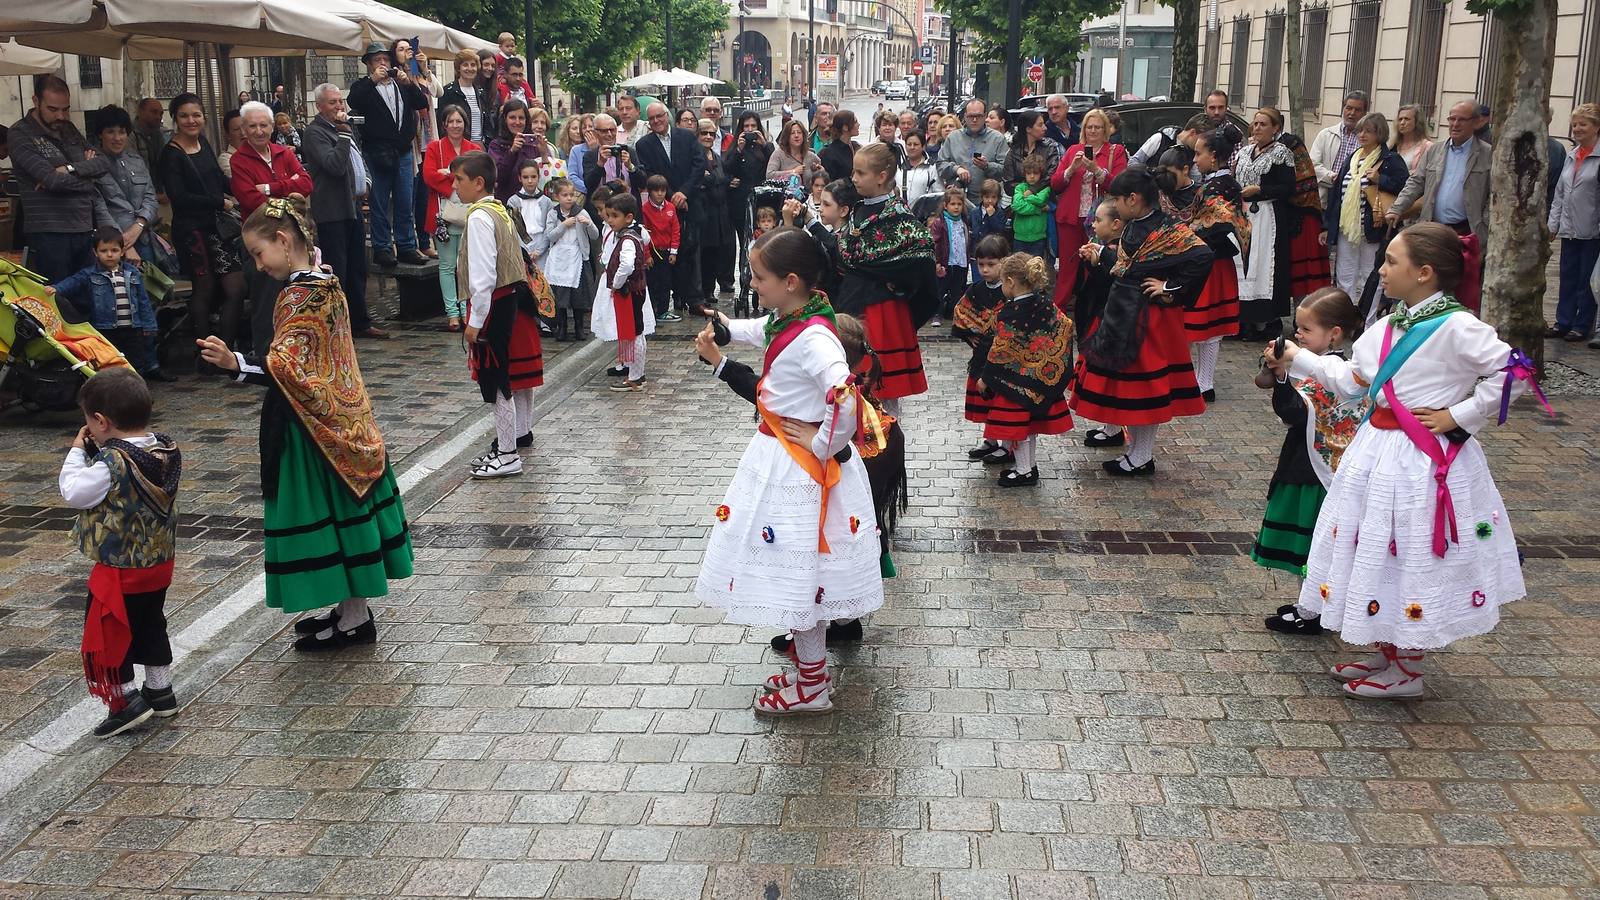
<point x="1067" y="694"/>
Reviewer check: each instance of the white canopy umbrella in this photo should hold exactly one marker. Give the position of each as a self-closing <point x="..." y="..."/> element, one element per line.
<point x="159" y="29"/>
<point x="381" y="22"/>
<point x="674" y="77"/>
<point x="16" y="59"/>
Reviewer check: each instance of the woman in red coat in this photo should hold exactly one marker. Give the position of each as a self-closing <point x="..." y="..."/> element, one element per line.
<point x="441" y="188"/>
<point x="1078" y="185"/>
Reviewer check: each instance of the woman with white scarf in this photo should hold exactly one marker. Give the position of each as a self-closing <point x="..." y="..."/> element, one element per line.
<point x="1348" y="221"/>
<point x="1264" y="168"/>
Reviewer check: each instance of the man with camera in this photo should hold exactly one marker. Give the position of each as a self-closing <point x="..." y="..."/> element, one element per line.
<point x="339" y="180"/>
<point x="613" y="160"/>
<point x="387" y="102"/>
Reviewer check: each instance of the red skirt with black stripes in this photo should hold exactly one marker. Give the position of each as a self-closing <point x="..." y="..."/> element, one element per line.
<point x="1158" y="386"/>
<point x="1216" y="311"/>
<point x="1309" y="268"/>
<point x="891" y="333"/>
<point x="1008" y="421"/>
<point x="525" y="364"/>
<point x="977" y="403"/>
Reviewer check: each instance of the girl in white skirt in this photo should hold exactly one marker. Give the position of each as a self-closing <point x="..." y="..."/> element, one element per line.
<point x="793" y="544"/>
<point x="1413" y="548"/>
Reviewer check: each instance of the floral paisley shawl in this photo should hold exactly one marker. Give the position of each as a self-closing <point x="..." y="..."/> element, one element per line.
<point x="1171" y="239"/>
<point x="1219" y="210"/>
<point x="890" y="254"/>
<point x="1306" y="193"/>
<point x="1030" y="356"/>
<point x="975" y="313"/>
<point x="312" y="359"/>
<point x="1333" y="422"/>
<point x="890" y="233"/>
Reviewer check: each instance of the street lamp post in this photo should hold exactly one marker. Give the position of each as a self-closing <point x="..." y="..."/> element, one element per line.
<point x="811" y="50"/>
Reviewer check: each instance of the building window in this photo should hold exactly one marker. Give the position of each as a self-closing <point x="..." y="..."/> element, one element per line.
<point x="1313" y="55"/>
<point x="317" y="70"/>
<point x="1363" y="55"/>
<point x="1272" y="58"/>
<point x="1420" y="84"/>
<point x="1240" y="59"/>
<point x="1489" y="71"/>
<point x="89" y="72"/>
<point x="1587" y="90"/>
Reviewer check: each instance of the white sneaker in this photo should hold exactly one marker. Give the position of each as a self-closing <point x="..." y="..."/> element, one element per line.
<point x="500" y="466"/>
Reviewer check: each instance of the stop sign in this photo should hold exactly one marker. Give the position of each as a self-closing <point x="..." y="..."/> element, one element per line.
<point x="1036" y="73"/>
<point x="916" y="67"/>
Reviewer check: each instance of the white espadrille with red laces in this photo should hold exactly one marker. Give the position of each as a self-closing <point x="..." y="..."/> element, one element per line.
<point x="806" y="694"/>
<point x="1401" y="678"/>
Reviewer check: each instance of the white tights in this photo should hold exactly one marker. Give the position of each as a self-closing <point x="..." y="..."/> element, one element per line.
<point x="513" y="418"/>
<point x="1024" y="451"/>
<point x="632" y="355"/>
<point x="1141" y="444"/>
<point x="1205" y="362"/>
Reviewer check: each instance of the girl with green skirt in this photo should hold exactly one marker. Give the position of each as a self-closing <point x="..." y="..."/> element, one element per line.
<point x="1320" y="427"/>
<point x="336" y="530"/>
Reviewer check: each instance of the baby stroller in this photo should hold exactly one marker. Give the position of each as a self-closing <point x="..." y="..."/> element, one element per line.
<point x="44" y="359"/>
<point x="766" y="195"/>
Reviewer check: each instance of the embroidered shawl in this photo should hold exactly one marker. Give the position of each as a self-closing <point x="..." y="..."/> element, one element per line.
<point x="1306" y="192"/>
<point x="1030" y="356"/>
<point x="887" y="254"/>
<point x="312" y="359"/>
<point x="1162" y="248"/>
<point x="975" y="312"/>
<point x="1252" y="162"/>
<point x="1219" y="211"/>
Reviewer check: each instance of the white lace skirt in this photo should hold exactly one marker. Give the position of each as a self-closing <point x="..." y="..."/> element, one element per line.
<point x="762" y="564"/>
<point x="1372" y="572"/>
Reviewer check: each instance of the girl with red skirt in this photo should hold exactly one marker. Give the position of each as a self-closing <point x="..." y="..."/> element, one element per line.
<point x="1135" y="369"/>
<point x="888" y="277"/>
<point x="974" y="323"/>
<point x="1027" y="367"/>
<point x="1219" y="220"/>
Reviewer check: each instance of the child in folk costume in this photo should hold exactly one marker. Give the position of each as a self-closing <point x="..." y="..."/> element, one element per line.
<point x="530" y="206"/>
<point x="1172" y="171"/>
<point x="883" y="450"/>
<point x="1094" y="279"/>
<point x="1027" y="368"/>
<point x="974" y="323"/>
<point x="888" y="280"/>
<point x="793" y="545"/>
<point x="622" y="311"/>
<point x="1413" y="548"/>
<point x="123" y="480"/>
<point x="569" y="234"/>
<point x="502" y="334"/>
<point x="1321" y="426"/>
<point x="1135" y="369"/>
<point x="1218" y="219"/>
<point x="336" y="530"/>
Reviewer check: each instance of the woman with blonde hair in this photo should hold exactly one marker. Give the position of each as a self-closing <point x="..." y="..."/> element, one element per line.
<point x="469" y="93"/>
<point x="1410" y="138"/>
<point x="1078" y="185"/>
<point x="940" y="129"/>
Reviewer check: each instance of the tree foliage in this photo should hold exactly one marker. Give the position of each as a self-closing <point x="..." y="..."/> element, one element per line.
<point x="1050" y="28"/>
<point x="694" y="22"/>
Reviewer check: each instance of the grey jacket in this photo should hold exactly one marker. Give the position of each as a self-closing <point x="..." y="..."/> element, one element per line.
<point x="127" y="192"/>
<point x="326" y="152"/>
<point x="1575" y="213"/>
<point x="1423" y="183"/>
<point x="958" y="150"/>
<point x="52" y="201"/>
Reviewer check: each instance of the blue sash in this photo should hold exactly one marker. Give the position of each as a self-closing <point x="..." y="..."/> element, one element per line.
<point x="1413" y="339"/>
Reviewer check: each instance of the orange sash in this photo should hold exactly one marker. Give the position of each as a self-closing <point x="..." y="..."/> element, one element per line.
<point x="823" y="473"/>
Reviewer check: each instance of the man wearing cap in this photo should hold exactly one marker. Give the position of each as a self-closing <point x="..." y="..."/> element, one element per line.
<point x="388" y="100"/>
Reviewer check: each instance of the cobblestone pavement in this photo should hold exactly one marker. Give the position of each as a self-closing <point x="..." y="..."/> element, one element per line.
<point x="1067" y="695"/>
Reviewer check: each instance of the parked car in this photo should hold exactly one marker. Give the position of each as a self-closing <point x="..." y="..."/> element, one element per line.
<point x="877" y="86"/>
<point x="1140" y="119"/>
<point x="896" y="90"/>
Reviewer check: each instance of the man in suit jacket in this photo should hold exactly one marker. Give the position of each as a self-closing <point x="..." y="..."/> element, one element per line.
<point x="676" y="155"/>
<point x="338" y="179"/>
<point x="1452" y="182"/>
<point x="389" y="100"/>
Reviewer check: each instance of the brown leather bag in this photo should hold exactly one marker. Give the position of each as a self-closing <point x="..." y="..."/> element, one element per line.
<point x="1380" y="201"/>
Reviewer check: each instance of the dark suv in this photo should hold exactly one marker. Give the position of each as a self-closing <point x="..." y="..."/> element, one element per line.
<point x="1142" y="118"/>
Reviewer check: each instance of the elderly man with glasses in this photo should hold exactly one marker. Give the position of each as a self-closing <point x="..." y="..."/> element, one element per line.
<point x="711" y="108"/>
<point x="972" y="154"/>
<point x="613" y="160"/>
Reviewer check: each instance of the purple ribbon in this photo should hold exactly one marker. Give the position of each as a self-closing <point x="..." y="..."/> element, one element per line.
<point x="1520" y="367"/>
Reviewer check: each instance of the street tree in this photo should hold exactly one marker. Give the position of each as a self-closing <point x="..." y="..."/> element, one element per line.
<point x="590" y="62"/>
<point x="1519" y="240"/>
<point x="694" y="22"/>
<point x="1050" y="28"/>
<point x="1185" y="49"/>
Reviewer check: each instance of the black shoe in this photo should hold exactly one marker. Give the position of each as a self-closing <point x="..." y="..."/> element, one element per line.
<point x="1291" y="623"/>
<point x="1287" y="608"/>
<point x="365" y="633"/>
<point x="617" y="371"/>
<point x="1115" y="467"/>
<point x="413" y="257"/>
<point x="525" y="441"/>
<point x="982" y="450"/>
<point x="314" y="624"/>
<point x="1098" y="437"/>
<point x="1012" y="478"/>
<point x="999" y="456"/>
<point x="158" y="375"/>
<point x="163" y="702"/>
<point x="1209" y="396"/>
<point x="136" y="711"/>
<point x="838" y="632"/>
<point x="385" y="258"/>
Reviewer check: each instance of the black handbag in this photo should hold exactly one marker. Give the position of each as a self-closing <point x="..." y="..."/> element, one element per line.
<point x="229" y="226"/>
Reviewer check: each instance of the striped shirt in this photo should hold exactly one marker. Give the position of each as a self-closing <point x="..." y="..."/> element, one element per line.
<point x="119" y="287"/>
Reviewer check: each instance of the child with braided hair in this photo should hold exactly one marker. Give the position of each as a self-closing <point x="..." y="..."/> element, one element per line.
<point x="336" y="530"/>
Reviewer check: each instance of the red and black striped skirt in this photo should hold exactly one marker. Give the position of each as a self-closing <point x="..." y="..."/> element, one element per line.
<point x="1216" y="311"/>
<point x="1008" y="421"/>
<point x="891" y="333"/>
<point x="1309" y="268"/>
<point x="977" y="403"/>
<point x="525" y="364"/>
<point x="1158" y="386"/>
